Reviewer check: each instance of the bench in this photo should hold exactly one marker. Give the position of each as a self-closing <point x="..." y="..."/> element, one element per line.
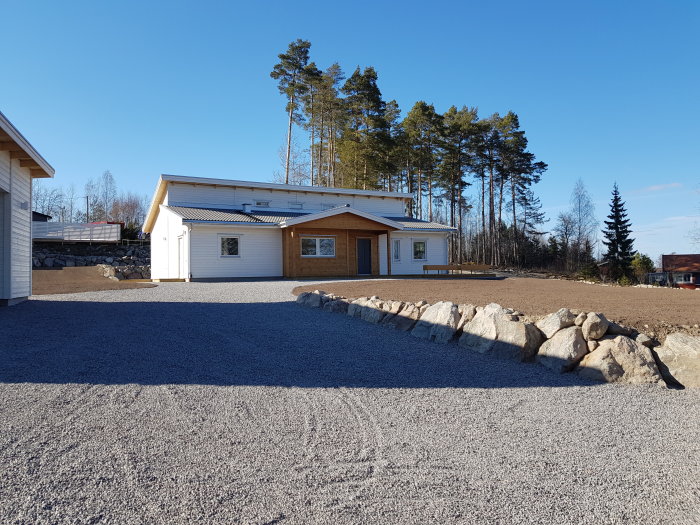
<point x="470" y="267"/>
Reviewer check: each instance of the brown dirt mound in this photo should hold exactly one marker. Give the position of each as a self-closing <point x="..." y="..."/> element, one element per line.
<point x="663" y="310"/>
<point x="77" y="279"/>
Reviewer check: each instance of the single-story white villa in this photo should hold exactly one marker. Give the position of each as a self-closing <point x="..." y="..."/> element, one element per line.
<point x="19" y="164"/>
<point x="203" y="228"/>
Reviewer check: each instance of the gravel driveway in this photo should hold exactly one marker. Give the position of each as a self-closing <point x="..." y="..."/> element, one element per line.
<point x="228" y="403"/>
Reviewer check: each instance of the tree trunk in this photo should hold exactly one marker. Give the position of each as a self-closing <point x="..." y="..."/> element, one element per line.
<point x="289" y="140"/>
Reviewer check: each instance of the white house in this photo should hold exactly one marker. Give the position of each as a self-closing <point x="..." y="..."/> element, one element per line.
<point x="214" y="228"/>
<point x="19" y="164"/>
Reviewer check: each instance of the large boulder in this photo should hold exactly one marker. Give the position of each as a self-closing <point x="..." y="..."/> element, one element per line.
<point x="492" y="330"/>
<point x="404" y="320"/>
<point x="550" y="325"/>
<point x="336" y="306"/>
<point x="620" y="360"/>
<point x="356" y="306"/>
<point x="679" y="359"/>
<point x="564" y="350"/>
<point x="595" y="326"/>
<point x="438" y="323"/>
<point x="467" y="313"/>
<point x="311" y="299"/>
<point x="373" y="311"/>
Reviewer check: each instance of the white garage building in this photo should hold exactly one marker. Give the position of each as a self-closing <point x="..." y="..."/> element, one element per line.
<point x="204" y="228"/>
<point x="19" y="164"/>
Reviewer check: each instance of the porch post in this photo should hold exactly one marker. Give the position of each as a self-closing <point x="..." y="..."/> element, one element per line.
<point x="388" y="252"/>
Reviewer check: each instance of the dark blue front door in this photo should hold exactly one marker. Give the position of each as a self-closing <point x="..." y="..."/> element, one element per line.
<point x="364" y="256"/>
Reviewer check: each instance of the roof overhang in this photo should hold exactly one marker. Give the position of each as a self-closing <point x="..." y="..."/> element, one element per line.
<point x="19" y="148"/>
<point x="339" y="211"/>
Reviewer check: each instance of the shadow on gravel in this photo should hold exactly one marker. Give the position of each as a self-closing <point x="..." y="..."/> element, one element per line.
<point x="278" y="344"/>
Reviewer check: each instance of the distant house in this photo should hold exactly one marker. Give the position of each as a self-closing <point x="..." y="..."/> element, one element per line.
<point x="216" y="228"/>
<point x="19" y="164"/>
<point x="40" y="217"/>
<point x="683" y="270"/>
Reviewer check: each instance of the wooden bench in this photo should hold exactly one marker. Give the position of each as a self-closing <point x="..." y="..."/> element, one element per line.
<point x="470" y="267"/>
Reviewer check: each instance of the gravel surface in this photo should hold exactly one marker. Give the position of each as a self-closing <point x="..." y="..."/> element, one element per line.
<point x="228" y="403"/>
<point x="77" y="279"/>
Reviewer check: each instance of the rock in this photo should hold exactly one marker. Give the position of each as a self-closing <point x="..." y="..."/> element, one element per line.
<point x="423" y="308"/>
<point x="355" y="307"/>
<point x="620" y="360"/>
<point x="404" y="320"/>
<point x="618" y="329"/>
<point x="595" y="326"/>
<point x="467" y="313"/>
<point x="422" y="302"/>
<point x="310" y="299"/>
<point x="645" y="340"/>
<point x="679" y="359"/>
<point x="70" y="262"/>
<point x="516" y="340"/>
<point x="492" y="330"/>
<point x="580" y="318"/>
<point x="48" y="262"/>
<point x="438" y="323"/>
<point x="551" y="324"/>
<point x="393" y="307"/>
<point x="337" y="306"/>
<point x="109" y="260"/>
<point x="372" y="311"/>
<point x="564" y="350"/>
<point x="592" y="345"/>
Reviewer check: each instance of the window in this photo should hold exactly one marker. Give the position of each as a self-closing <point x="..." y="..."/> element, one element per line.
<point x="318" y="246"/>
<point x="327" y="205"/>
<point x="397" y="250"/>
<point x="296" y="205"/>
<point x="229" y="246"/>
<point x="419" y="251"/>
<point x="262" y="204"/>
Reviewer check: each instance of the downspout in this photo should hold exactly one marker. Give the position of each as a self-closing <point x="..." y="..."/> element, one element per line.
<point x="188" y="234"/>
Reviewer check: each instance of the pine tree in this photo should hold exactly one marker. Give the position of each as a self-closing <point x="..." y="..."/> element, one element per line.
<point x="291" y="72"/>
<point x="617" y="238"/>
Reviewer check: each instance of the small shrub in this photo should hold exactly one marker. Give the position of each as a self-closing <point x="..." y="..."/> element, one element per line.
<point x="589" y="272"/>
<point x="624" y="281"/>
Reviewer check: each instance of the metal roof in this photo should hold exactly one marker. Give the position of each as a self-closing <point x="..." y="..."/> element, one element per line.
<point x="277" y="217"/>
<point x="410" y="223"/>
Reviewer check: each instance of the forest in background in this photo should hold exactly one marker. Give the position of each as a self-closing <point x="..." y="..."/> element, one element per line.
<point x="471" y="172"/>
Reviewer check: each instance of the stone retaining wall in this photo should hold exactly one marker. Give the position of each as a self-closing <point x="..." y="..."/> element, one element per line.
<point x="566" y="341"/>
<point x="52" y="255"/>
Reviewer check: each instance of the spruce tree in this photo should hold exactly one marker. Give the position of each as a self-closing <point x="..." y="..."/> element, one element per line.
<point x="617" y="238"/>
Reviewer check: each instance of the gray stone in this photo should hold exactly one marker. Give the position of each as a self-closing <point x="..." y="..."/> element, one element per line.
<point x="355" y="307"/>
<point x="618" y="329"/>
<point x="595" y="326"/>
<point x="580" y="318"/>
<point x="48" y="262"/>
<point x="679" y="359"/>
<point x="404" y="320"/>
<point x="372" y="311"/>
<point x="310" y="299"/>
<point x="337" y="306"/>
<point x="644" y="339"/>
<point x="438" y="323"/>
<point x="564" y="350"/>
<point x="551" y="324"/>
<point x="70" y="262"/>
<point x="467" y="313"/>
<point x="592" y="345"/>
<point x="621" y="360"/>
<point x="109" y="260"/>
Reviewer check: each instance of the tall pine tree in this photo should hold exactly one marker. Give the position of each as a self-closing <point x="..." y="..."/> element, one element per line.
<point x="617" y="238"/>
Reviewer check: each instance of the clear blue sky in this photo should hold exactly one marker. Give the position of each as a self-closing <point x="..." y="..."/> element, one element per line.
<point x="606" y="91"/>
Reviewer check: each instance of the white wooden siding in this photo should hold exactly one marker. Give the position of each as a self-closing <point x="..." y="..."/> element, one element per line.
<point x="260" y="252"/>
<point x="17" y="242"/>
<point x="71" y="231"/>
<point x="164" y="245"/>
<point x="436" y="251"/>
<point x="180" y="194"/>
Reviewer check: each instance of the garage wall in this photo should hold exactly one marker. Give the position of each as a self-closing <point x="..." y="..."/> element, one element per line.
<point x="260" y="252"/>
<point x="164" y="245"/>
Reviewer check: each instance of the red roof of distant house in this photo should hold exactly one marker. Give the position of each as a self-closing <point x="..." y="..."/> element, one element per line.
<point x="681" y="263"/>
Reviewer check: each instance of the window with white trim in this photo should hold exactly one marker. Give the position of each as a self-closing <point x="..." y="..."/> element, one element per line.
<point x="420" y="250"/>
<point x="397" y="249"/>
<point x="229" y="246"/>
<point x="262" y="204"/>
<point x="296" y="205"/>
<point x="318" y="246"/>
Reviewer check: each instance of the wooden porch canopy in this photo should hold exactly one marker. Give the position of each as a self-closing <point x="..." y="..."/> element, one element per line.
<point x="12" y="141"/>
<point x="345" y="223"/>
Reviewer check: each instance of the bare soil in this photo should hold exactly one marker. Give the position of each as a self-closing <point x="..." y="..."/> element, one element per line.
<point x="660" y="309"/>
<point x="77" y="279"/>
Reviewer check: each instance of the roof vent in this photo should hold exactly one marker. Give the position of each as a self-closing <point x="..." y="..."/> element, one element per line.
<point x="246" y="207"/>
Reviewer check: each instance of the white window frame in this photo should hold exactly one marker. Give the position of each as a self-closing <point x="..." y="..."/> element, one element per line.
<point x="229" y="236"/>
<point x="327" y="205"/>
<point x="317" y="238"/>
<point x="296" y="205"/>
<point x="262" y="204"/>
<point x="396" y="250"/>
<point x="413" y="249"/>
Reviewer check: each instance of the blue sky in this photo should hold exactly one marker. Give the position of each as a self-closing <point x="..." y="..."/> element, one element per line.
<point x="606" y="91"/>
